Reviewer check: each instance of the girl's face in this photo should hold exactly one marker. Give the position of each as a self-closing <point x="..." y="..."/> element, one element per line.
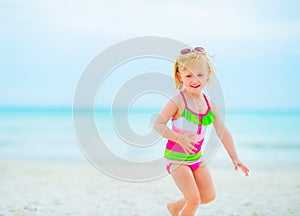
<point x="194" y="77"/>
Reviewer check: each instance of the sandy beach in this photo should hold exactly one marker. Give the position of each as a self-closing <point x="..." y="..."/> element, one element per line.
<point x="99" y="80"/>
<point x="45" y="187"/>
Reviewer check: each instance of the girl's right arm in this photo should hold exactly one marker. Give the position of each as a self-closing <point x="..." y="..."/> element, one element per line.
<point x="160" y="125"/>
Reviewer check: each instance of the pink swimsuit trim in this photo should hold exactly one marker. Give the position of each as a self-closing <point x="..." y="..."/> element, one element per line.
<point x="192" y="165"/>
<point x="199" y="114"/>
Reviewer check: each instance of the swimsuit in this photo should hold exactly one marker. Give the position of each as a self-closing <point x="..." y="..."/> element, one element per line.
<point x="192" y="123"/>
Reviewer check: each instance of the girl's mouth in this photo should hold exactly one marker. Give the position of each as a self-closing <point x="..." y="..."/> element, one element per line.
<point x="195" y="86"/>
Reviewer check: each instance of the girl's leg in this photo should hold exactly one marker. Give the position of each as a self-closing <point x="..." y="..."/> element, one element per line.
<point x="205" y="184"/>
<point x="184" y="179"/>
<point x="175" y="207"/>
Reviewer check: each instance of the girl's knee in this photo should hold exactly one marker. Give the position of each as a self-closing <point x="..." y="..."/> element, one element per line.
<point x="193" y="200"/>
<point x="208" y="199"/>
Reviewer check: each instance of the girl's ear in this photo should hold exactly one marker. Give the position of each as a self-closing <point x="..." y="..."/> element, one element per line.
<point x="178" y="76"/>
<point x="208" y="77"/>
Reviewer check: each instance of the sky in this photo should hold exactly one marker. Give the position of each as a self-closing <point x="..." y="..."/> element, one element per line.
<point x="46" y="45"/>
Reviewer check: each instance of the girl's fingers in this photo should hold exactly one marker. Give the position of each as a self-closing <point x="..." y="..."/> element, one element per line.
<point x="244" y="168"/>
<point x="190" y="148"/>
<point x="238" y="164"/>
<point x="186" y="150"/>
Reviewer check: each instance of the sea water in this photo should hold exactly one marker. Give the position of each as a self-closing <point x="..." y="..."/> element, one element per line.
<point x="48" y="133"/>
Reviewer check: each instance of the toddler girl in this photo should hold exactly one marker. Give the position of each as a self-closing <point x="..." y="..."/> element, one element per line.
<point x="191" y="112"/>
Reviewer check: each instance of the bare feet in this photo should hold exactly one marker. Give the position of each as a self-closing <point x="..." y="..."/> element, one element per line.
<point x="174" y="208"/>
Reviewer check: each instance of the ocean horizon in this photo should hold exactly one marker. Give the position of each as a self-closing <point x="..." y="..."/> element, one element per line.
<point x="48" y="133"/>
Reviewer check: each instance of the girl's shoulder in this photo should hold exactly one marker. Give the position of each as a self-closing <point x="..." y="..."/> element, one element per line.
<point x="177" y="99"/>
<point x="178" y="102"/>
<point x="212" y="104"/>
<point x="173" y="108"/>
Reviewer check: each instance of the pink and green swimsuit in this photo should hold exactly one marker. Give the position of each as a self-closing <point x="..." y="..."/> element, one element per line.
<point x="189" y="122"/>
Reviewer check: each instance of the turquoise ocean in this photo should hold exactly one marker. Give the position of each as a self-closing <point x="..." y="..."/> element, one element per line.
<point x="48" y="133"/>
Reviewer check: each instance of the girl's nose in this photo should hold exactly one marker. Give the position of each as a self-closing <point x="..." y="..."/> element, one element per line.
<point x="196" y="79"/>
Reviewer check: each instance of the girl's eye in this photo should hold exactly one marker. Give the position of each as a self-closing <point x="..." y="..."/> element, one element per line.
<point x="199" y="75"/>
<point x="188" y="76"/>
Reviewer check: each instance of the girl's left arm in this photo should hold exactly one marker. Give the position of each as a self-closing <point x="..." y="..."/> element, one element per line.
<point x="227" y="140"/>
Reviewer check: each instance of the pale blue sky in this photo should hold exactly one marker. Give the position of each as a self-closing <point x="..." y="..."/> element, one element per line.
<point x="46" y="45"/>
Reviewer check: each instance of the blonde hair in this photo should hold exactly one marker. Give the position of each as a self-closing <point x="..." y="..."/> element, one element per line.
<point x="185" y="61"/>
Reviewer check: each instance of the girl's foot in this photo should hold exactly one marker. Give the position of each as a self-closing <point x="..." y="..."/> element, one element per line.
<point x="174" y="208"/>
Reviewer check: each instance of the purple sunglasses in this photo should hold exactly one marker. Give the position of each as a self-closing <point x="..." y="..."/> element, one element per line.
<point x="195" y="50"/>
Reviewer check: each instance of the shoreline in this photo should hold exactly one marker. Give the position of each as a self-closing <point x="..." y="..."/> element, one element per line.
<point x="43" y="187"/>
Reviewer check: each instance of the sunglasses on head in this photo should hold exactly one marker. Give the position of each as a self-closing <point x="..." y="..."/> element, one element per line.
<point x="195" y="50"/>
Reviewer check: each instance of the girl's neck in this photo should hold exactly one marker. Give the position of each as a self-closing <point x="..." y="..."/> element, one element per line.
<point x="192" y="95"/>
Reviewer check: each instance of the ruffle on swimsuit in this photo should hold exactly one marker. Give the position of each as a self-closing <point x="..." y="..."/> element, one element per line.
<point x="196" y="119"/>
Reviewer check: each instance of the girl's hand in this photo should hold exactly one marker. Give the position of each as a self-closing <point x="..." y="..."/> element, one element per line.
<point x="186" y="141"/>
<point x="238" y="164"/>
